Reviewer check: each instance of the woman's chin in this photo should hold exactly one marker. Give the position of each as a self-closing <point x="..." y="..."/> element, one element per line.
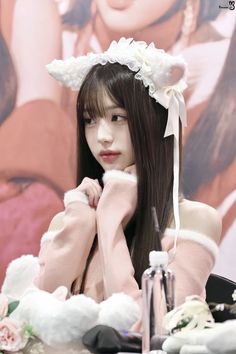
<point x="113" y="168"/>
<point x="110" y="167"/>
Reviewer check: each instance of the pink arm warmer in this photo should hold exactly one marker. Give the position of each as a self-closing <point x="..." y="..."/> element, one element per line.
<point x="115" y="208"/>
<point x="192" y="263"/>
<point x="63" y="257"/>
<point x="195" y="254"/>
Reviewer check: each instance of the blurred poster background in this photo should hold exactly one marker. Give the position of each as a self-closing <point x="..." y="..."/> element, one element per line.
<point x="37" y="116"/>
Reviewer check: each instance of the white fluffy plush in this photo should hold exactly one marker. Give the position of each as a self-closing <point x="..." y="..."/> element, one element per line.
<point x="218" y="340"/>
<point x="55" y="320"/>
<point x="19" y="276"/>
<point x="119" y="311"/>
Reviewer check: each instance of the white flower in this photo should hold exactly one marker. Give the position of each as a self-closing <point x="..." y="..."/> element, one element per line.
<point x="193" y="314"/>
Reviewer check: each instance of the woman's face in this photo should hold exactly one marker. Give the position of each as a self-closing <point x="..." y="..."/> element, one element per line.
<point x="108" y="137"/>
<point x="124" y="16"/>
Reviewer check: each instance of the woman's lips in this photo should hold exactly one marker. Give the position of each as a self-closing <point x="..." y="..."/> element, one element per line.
<point x="109" y="157"/>
<point x="119" y="4"/>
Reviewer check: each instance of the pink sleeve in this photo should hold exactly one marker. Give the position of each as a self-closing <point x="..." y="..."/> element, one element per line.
<point x="64" y="251"/>
<point x="192" y="263"/>
<point x="116" y="207"/>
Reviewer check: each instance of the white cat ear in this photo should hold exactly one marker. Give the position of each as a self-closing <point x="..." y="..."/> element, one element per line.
<point x="172" y="73"/>
<point x="176" y="73"/>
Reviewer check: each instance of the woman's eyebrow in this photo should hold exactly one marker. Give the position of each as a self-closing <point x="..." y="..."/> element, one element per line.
<point x="114" y="106"/>
<point x="106" y="108"/>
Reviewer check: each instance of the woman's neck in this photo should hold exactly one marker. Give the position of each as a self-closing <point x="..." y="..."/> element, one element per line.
<point x="164" y="35"/>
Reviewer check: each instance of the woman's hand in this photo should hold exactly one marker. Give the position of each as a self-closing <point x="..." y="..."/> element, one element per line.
<point x="92" y="189"/>
<point x="131" y="170"/>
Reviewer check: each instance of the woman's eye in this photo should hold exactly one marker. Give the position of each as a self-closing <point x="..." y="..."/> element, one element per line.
<point x="89" y="121"/>
<point x="118" y="118"/>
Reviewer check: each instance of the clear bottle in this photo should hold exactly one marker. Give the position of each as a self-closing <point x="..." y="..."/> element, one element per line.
<point x="158" y="284"/>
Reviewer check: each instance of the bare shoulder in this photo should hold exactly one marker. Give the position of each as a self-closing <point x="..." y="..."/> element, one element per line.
<point x="57" y="221"/>
<point x="201" y="218"/>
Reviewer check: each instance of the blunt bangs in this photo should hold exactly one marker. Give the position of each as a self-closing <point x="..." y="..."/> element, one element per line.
<point x="109" y="79"/>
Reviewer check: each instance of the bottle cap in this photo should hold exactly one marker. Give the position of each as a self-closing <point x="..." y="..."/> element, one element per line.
<point x="158" y="258"/>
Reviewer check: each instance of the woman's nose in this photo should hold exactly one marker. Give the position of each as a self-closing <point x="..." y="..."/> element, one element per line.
<point x="104" y="133"/>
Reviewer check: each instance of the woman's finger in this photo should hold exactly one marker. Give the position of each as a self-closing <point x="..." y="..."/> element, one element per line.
<point x="92" y="189"/>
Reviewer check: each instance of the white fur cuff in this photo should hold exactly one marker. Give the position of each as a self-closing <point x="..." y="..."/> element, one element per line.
<point x="74" y="195"/>
<point x="197" y="237"/>
<point x="118" y="174"/>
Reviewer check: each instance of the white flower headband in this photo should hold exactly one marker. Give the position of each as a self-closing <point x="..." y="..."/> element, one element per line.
<point x="160" y="72"/>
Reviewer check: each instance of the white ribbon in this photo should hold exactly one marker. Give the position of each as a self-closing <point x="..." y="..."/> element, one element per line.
<point x="176" y="111"/>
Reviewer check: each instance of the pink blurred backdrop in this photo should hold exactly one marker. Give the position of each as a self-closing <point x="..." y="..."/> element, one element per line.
<point x="37" y="116"/>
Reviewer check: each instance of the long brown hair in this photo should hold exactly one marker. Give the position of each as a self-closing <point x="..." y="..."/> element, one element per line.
<point x="153" y="154"/>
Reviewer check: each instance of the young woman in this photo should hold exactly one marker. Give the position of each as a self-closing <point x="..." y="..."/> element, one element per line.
<point x="130" y="110"/>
